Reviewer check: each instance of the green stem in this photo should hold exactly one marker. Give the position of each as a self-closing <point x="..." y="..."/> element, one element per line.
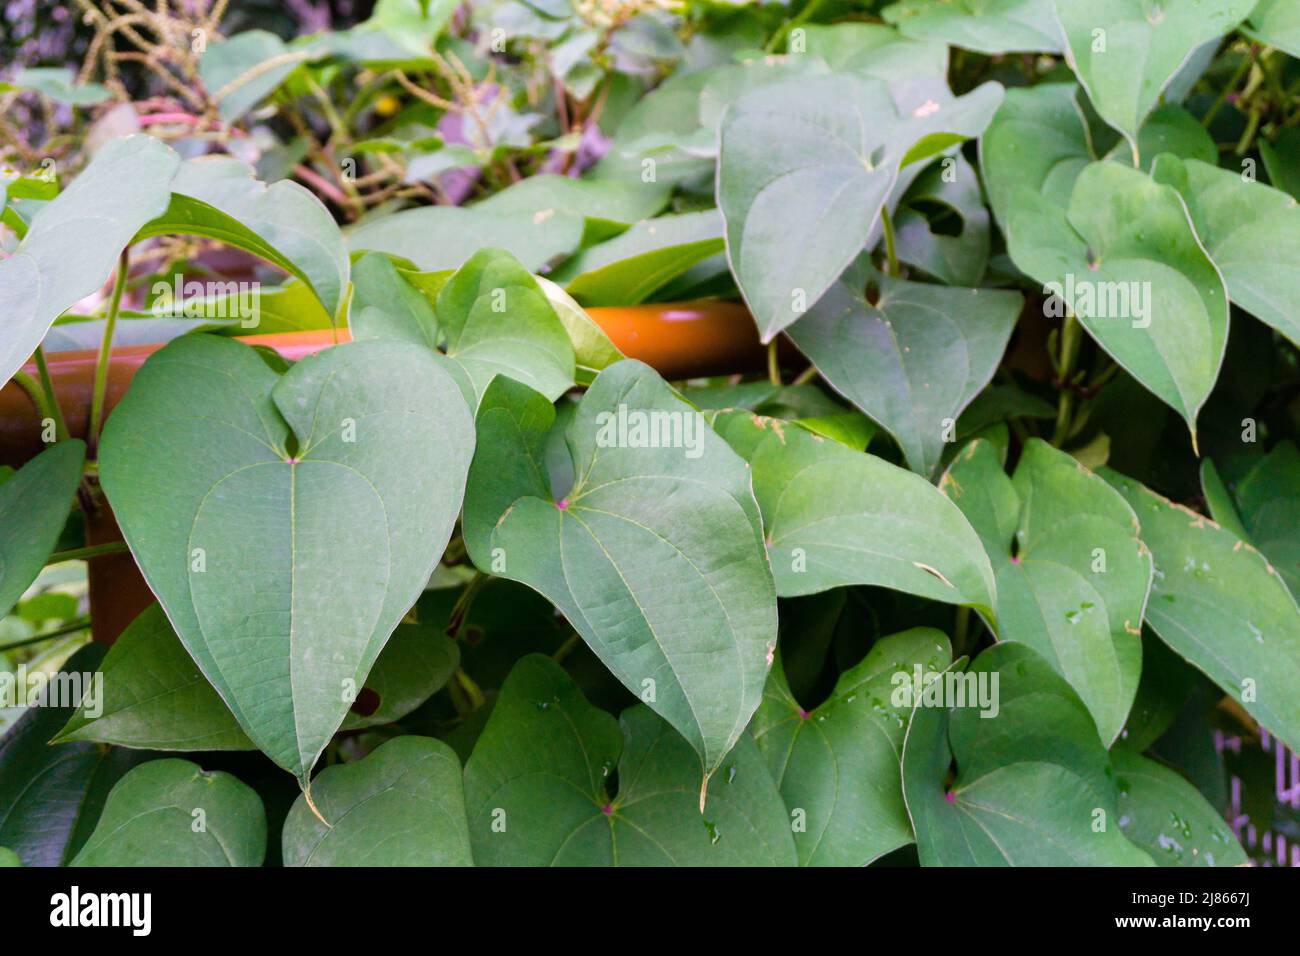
<point x="789" y="25"/>
<point x="773" y="365"/>
<point x="463" y="603"/>
<point x="960" y="631"/>
<point x="36" y="394"/>
<point x="567" y="648"/>
<point x="1070" y="342"/>
<point x="1231" y="85"/>
<point x="472" y="691"/>
<point x="106" y="351"/>
<point x="90" y="551"/>
<point x="806" y="376"/>
<point x="72" y="627"/>
<point x="891" y="249"/>
<point x="47" y="385"/>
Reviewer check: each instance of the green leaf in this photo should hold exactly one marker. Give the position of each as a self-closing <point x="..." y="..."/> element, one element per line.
<point x="1282" y="159"/>
<point x="836" y="517"/>
<point x="386" y="306"/>
<point x="34" y="505"/>
<point x="1268" y="498"/>
<point x="402" y="805"/>
<point x="51" y="796"/>
<point x="288" y="528"/>
<point x="630" y="268"/>
<point x="59" y="84"/>
<point x="953" y="187"/>
<point x="543" y="766"/>
<point x="1125" y="52"/>
<point x="283" y="223"/>
<point x="1250" y="230"/>
<point x="498" y="321"/>
<point x="153" y="816"/>
<point x="914" y="359"/>
<point x="985" y="26"/>
<point x="1125" y="259"/>
<point x="8" y="858"/>
<point x="840" y="763"/>
<point x="443" y="237"/>
<point x="1166" y="816"/>
<point x="1219" y="604"/>
<point x="872" y="49"/>
<point x="74" y="241"/>
<point x="1072" y="574"/>
<point x="1276" y="23"/>
<point x="608" y="206"/>
<point x="654" y="554"/>
<point x="801" y="190"/>
<point x="1033" y="785"/>
<point x="592" y="349"/>
<point x="247" y="58"/>
<point x="1219" y="501"/>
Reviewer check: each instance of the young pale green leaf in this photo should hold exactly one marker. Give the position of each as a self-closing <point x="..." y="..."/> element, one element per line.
<point x="630" y="268"/>
<point x="499" y="321"/>
<point x="913" y="357"/>
<point x="1166" y="816"/>
<point x="1220" y="604"/>
<point x="840" y="763"/>
<point x="607" y="206"/>
<point x="402" y="805"/>
<point x="34" y="505"/>
<point x="51" y="796"/>
<point x="836" y="517"/>
<point x="288" y="528"/>
<point x="283" y="223"/>
<point x="953" y="186"/>
<point x="654" y="554"/>
<point x="1268" y="499"/>
<point x="593" y="351"/>
<point x="1033" y="785"/>
<point x="1251" y="231"/>
<point x="1072" y="574"/>
<point x="801" y="188"/>
<point x="1125" y="259"/>
<point x="74" y="241"/>
<point x="985" y="26"/>
<point x="443" y="237"/>
<point x="155" y="697"/>
<point x="247" y="68"/>
<point x="152" y="816"/>
<point x="385" y="305"/>
<point x="1276" y="23"/>
<point x="1125" y="52"/>
<point x="538" y="787"/>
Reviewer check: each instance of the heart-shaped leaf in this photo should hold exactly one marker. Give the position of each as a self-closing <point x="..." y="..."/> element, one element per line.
<point x="153" y="814"/>
<point x="801" y="189"/>
<point x="34" y="505"/>
<point x="1125" y="259"/>
<point x="538" y="787"/>
<point x="402" y="805"/>
<point x="1125" y="52"/>
<point x="1222" y="607"/>
<point x="654" y="554"/>
<point x="288" y="527"/>
<point x="74" y="241"/>
<point x="1166" y="816"/>
<point x="986" y="26"/>
<point x="912" y="357"/>
<point x="386" y="306"/>
<point x="1072" y="574"/>
<point x="1033" y="785"/>
<point x="1250" y="230"/>
<point x="838" y="766"/>
<point x="836" y="517"/>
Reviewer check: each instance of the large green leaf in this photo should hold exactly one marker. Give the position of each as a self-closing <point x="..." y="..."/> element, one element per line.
<point x="289" y="527"/>
<point x="51" y="796"/>
<point x="801" y="188"/>
<point x="1276" y="23"/>
<point x="912" y="357"/>
<point x="1268" y="500"/>
<point x="1072" y="574"/>
<point x="34" y="505"/>
<point x="986" y="26"/>
<point x="630" y="268"/>
<point x="74" y="241"/>
<point x="1166" y="816"/>
<point x="1250" y="230"/>
<point x="172" y="813"/>
<point x="499" y="321"/>
<point x="1033" y="785"/>
<point x="538" y="787"/>
<point x="839" y="764"/>
<point x="1220" y="604"/>
<point x="284" y="223"/>
<point x="1126" y="260"/>
<point x="386" y="306"/>
<point x="836" y="517"/>
<point x="654" y="554"/>
<point x="1125" y="52"/>
<point x="403" y="805"/>
<point x="608" y="206"/>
